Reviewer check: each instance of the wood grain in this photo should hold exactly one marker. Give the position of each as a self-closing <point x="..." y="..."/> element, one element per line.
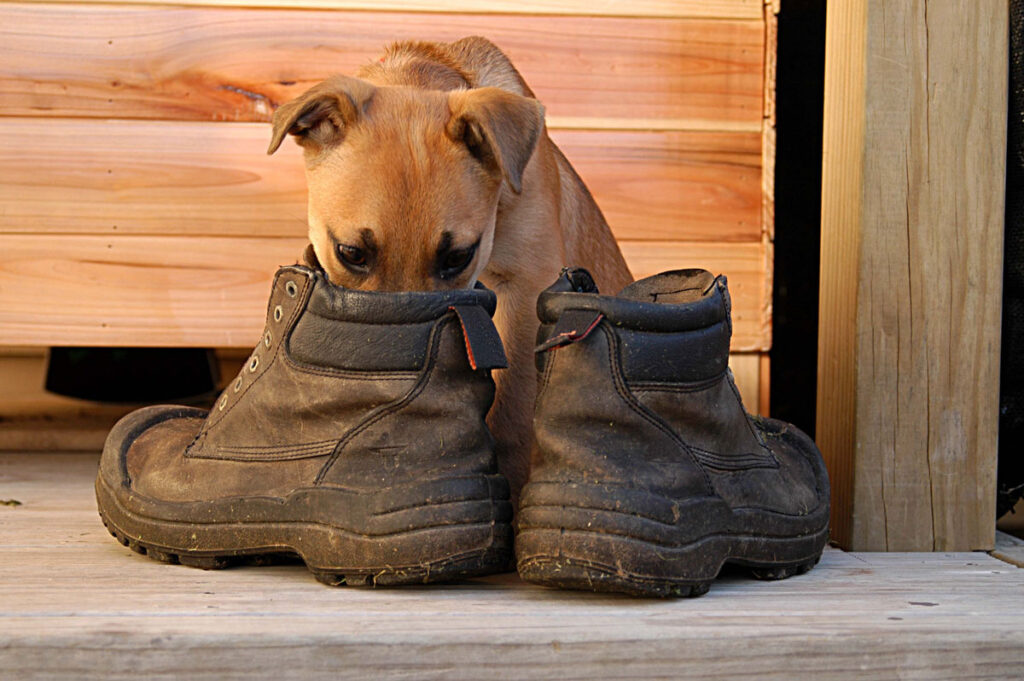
<point x="202" y="63"/>
<point x="79" y="605"/>
<point x="912" y="219"/>
<point x="771" y="50"/>
<point x="841" y="191"/>
<point x="708" y="9"/>
<point x="155" y="177"/>
<point x="212" y="291"/>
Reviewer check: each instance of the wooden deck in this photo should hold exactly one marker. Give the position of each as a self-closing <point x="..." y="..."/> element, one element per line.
<point x="75" y="604"/>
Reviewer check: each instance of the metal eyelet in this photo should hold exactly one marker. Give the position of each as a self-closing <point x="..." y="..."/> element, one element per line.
<point x="291" y="289"/>
<point x="223" y="403"/>
<point x="253" y="363"/>
<point x="238" y="384"/>
<point x="278" y="313"/>
<point x="267" y="338"/>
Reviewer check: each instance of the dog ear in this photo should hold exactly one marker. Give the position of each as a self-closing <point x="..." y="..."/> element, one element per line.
<point x="318" y="117"/>
<point x="499" y="128"/>
<point x="486" y="65"/>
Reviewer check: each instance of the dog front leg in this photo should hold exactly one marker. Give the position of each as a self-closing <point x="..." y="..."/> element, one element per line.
<point x="511" y="417"/>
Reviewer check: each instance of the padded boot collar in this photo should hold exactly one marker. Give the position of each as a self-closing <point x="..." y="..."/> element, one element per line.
<point x="379" y="330"/>
<point x="680" y="300"/>
<point x="385" y="307"/>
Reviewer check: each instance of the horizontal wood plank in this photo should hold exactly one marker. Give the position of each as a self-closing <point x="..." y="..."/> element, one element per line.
<point x="671" y="185"/>
<point x="154" y="177"/>
<point x="211" y="291"/>
<point x="708" y="9"/>
<point x="76" y="604"/>
<point x="202" y="63"/>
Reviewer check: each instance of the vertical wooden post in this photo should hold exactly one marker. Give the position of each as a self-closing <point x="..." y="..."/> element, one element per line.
<point x="912" y="229"/>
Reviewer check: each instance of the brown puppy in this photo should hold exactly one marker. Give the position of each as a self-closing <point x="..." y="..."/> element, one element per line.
<point x="433" y="170"/>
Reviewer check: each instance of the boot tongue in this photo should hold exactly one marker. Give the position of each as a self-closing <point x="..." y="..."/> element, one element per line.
<point x="679" y="286"/>
<point x="573" y="280"/>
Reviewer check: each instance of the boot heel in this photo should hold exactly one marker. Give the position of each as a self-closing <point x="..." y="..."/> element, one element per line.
<point x="777" y="572"/>
<point x="594" y="561"/>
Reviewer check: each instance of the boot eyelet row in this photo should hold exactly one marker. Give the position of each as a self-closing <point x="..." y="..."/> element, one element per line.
<point x="291" y="288"/>
<point x="278" y="313"/>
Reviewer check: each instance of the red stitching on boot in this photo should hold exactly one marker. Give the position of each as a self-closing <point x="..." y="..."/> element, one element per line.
<point x="465" y="338"/>
<point x="567" y="337"/>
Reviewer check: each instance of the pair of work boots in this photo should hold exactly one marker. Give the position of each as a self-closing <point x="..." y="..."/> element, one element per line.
<point x="355" y="437"/>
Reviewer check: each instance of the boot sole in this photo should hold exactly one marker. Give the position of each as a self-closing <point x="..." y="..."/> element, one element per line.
<point x="596" y="561"/>
<point x="615" y="539"/>
<point x="335" y="555"/>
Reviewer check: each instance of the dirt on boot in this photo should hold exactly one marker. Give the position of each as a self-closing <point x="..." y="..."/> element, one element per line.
<point x="648" y="474"/>
<point x="354" y="438"/>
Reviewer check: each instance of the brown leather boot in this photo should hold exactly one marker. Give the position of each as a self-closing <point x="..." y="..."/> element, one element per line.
<point x="648" y="475"/>
<point x="354" y="437"/>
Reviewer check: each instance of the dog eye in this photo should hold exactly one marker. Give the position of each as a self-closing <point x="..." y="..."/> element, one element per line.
<point x="453" y="262"/>
<point x="353" y="258"/>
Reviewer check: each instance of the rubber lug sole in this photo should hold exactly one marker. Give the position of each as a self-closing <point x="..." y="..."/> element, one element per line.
<point x="474" y="565"/>
<point x="567" y="574"/>
<point x="592" y="561"/>
<point x="486" y="548"/>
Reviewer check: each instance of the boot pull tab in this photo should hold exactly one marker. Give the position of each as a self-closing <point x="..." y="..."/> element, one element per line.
<point x="483" y="344"/>
<point x="572" y="326"/>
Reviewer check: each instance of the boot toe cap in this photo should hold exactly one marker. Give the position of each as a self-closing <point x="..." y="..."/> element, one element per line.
<point x="121" y="457"/>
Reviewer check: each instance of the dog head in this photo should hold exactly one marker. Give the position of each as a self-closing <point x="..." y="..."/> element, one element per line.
<point x="404" y="182"/>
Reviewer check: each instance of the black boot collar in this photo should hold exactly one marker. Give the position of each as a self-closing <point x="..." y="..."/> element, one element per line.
<point x="678" y="300"/>
<point x="386" y="307"/>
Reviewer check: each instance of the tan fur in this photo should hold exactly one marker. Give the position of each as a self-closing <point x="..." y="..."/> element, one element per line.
<point x="446" y="137"/>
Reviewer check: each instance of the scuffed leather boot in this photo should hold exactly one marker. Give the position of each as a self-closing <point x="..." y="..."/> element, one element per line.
<point x="648" y="475"/>
<point x="354" y="437"/>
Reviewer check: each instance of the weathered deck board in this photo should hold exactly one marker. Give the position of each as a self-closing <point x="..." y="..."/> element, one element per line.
<point x="1009" y="548"/>
<point x="212" y="291"/>
<point x="77" y="604"/>
<point x="215" y="179"/>
<point x="207" y="63"/>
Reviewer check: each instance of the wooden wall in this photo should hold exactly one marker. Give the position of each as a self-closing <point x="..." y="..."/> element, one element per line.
<point x="137" y="205"/>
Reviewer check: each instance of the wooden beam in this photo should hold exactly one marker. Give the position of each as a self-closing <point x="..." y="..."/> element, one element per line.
<point x="200" y="291"/>
<point x="912" y="230"/>
<point x="217" y="64"/>
<point x="215" y="179"/>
